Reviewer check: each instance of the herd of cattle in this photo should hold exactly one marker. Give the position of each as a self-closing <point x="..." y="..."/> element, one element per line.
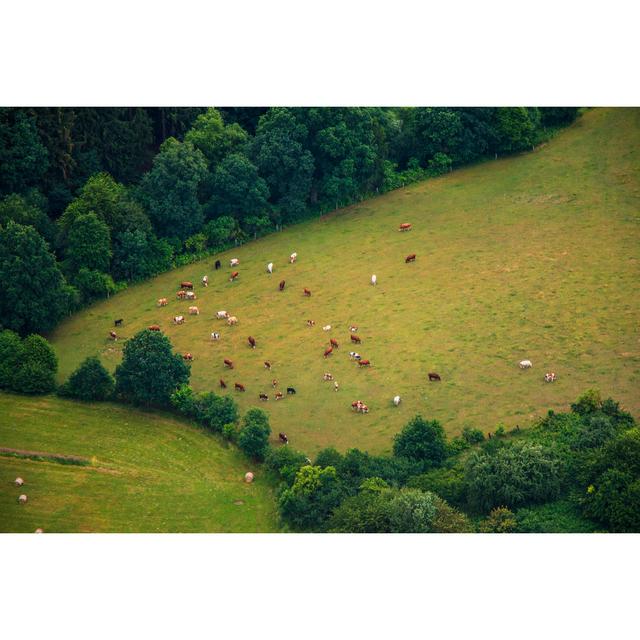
<point x="186" y="292"/>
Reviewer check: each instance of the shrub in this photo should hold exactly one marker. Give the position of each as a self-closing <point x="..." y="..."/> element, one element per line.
<point x="286" y="462"/>
<point x="554" y="517"/>
<point x="253" y="438"/>
<point x="500" y="520"/>
<point x="36" y="373"/>
<point x="448" y="519"/>
<point x="448" y="483"/>
<point x="422" y="440"/>
<point x="329" y="457"/>
<point x="11" y="356"/>
<point x="230" y="432"/>
<point x="472" y="436"/>
<point x="90" y="381"/>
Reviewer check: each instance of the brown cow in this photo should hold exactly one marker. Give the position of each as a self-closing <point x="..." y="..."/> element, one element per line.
<point x="311" y="323"/>
<point x="410" y="258"/>
<point x="405" y="226"/>
<point x="279" y="395"/>
<point x="434" y="377"/>
<point x="154" y="327"/>
<point x="307" y="292"/>
<point x="223" y="384"/>
<point x="187" y="356"/>
<point x="328" y="352"/>
<point x="267" y="365"/>
<point x="228" y="363"/>
<point x="238" y="386"/>
<point x="112" y="335"/>
<point x="274" y="383"/>
<point x="283" y="438"/>
<point x="334" y="343"/>
<point x="364" y="363"/>
<point x="252" y="342"/>
<point x="186" y="285"/>
<point x="234" y="275"/>
<point x="281" y="285"/>
<point x="181" y="295"/>
<point x="194" y="311"/>
<point x="355" y="338"/>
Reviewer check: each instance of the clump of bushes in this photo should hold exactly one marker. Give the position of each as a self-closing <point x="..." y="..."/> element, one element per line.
<point x="90" y="382"/>
<point x="253" y="438"/>
<point x="26" y="366"/>
<point x="217" y="413"/>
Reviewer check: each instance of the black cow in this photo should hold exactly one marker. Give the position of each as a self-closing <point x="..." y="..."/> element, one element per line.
<point x="283" y="438"/>
<point x="291" y="391"/>
<point x="118" y="322"/>
<point x="218" y="264"/>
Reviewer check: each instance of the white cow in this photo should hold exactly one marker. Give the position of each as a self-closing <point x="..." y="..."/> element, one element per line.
<point x="205" y="281"/>
<point x="234" y="262"/>
<point x="526" y="364"/>
<point x="336" y="386"/>
<point x="231" y="320"/>
<point x="215" y="335"/>
<point x="221" y="315"/>
<point x="396" y="400"/>
<point x="293" y="257"/>
<point x="270" y="267"/>
<point x="354" y="356"/>
<point x="374" y="279"/>
<point x="327" y="327"/>
<point x="178" y="319"/>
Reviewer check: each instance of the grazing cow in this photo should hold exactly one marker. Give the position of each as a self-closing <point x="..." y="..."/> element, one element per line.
<point x="186" y="285"/>
<point x="525" y="364"/>
<point x="190" y="295"/>
<point x="162" y="302"/>
<point x="374" y="279"/>
<point x="283" y="438"/>
<point x="328" y="352"/>
<point x="228" y="363"/>
<point x="154" y="327"/>
<point x="194" y="311"/>
<point x="354" y="355"/>
<point x="311" y="323"/>
<point x="279" y="395"/>
<point x="215" y="335"/>
<point x="217" y="265"/>
<point x="263" y="396"/>
<point x="293" y="257"/>
<point x="334" y="342"/>
<point x="291" y="391"/>
<point x="252" y="342"/>
<point x="396" y="400"/>
<point x="221" y="315"/>
<point x="234" y="262"/>
<point x="238" y="387"/>
<point x="327" y="376"/>
<point x="307" y="292"/>
<point x="234" y="275"/>
<point x="336" y="386"/>
<point x="405" y="226"/>
<point x="364" y="363"/>
<point x="353" y="328"/>
<point x="364" y="408"/>
<point x="187" y="356"/>
<point x="181" y="295"/>
<point x="112" y="335"/>
<point x="223" y="384"/>
<point x="281" y="285"/>
<point x="205" y="281"/>
<point x="327" y="327"/>
<point x="410" y="258"/>
<point x="355" y="338"/>
<point x="356" y="405"/>
<point x="231" y="320"/>
<point x="118" y="323"/>
<point x="550" y="377"/>
<point x="270" y="267"/>
<point x="267" y="365"/>
<point x="178" y="320"/>
<point x="434" y="377"/>
<point x="274" y="383"/>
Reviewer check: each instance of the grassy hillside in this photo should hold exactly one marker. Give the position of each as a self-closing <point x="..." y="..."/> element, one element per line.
<point x="528" y="257"/>
<point x="147" y="473"/>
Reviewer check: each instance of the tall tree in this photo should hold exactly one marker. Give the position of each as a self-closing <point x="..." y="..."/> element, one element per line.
<point x="170" y="189"/>
<point x="89" y="244"/>
<point x="27" y="265"/>
<point x="26" y="211"/>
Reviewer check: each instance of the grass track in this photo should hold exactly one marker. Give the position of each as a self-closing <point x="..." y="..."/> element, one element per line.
<point x="149" y="473"/>
<point x="534" y="256"/>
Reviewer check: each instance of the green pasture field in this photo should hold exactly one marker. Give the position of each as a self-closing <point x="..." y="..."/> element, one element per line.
<point x="147" y="472"/>
<point x="534" y="256"/>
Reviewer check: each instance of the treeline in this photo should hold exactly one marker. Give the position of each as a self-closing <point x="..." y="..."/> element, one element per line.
<point x="91" y="199"/>
<point x="571" y="472"/>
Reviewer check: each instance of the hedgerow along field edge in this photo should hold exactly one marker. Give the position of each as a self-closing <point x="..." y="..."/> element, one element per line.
<point x="148" y="472"/>
<point x="533" y="256"/>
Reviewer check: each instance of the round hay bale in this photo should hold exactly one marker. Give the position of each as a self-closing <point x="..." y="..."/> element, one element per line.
<point x="22" y="498"/>
<point x="19" y="482"/>
<point x="248" y="477"/>
<point x="38" y="530"/>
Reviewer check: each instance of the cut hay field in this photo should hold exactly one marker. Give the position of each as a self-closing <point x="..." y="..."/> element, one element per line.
<point x="534" y="256"/>
<point x="147" y="472"/>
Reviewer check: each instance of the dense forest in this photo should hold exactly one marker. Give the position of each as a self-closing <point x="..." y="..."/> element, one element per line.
<point x="94" y="198"/>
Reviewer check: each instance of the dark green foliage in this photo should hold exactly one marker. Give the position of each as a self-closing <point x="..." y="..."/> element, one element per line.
<point x="221" y="230"/>
<point x="558" y="116"/>
<point x="448" y="519"/>
<point x="286" y="462"/>
<point x="11" y="357"/>
<point x="27" y="210"/>
<point x="253" y="438"/>
<point x="308" y="503"/>
<point x="88" y="244"/>
<point x="150" y="372"/>
<point x="26" y="264"/>
<point x="515" y="129"/>
<point x="448" y="483"/>
<point x="554" y="517"/>
<point x="472" y="436"/>
<point x="513" y="476"/>
<point x="138" y="255"/>
<point x="329" y="457"/>
<point x="207" y="408"/>
<point x="170" y="190"/>
<point x="90" y="381"/>
<point x="93" y="284"/>
<point x="500" y="520"/>
<point x="37" y="368"/>
<point x="422" y="440"/>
